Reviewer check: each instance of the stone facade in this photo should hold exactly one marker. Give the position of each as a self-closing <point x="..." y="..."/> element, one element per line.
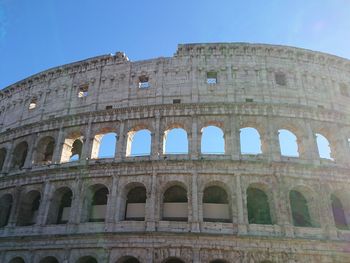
<point x="48" y="117"/>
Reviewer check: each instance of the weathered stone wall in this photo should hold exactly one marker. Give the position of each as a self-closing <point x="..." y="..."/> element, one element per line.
<point x="311" y="99"/>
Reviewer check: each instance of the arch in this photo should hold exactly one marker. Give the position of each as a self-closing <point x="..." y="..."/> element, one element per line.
<point x="300" y="209"/>
<point x="72" y="148"/>
<point x="44" y="150"/>
<point x="5" y="209"/>
<point x="139" y="143"/>
<point x="104" y="145"/>
<point x="97" y="199"/>
<point x="136" y="204"/>
<point x="258" y="206"/>
<point x="339" y="215"/>
<point x="215" y="205"/>
<point x="29" y="208"/>
<point x="212" y="141"/>
<point x="175" y="141"/>
<point x="49" y="259"/>
<point x="17" y="260"/>
<point x="3" y="153"/>
<point x="323" y="146"/>
<point x="250" y="141"/>
<point x="173" y="260"/>
<point x="288" y="143"/>
<point x="86" y="259"/>
<point x="19" y="155"/>
<point x="175" y="204"/>
<point x="128" y="259"/>
<point x="60" y="206"/>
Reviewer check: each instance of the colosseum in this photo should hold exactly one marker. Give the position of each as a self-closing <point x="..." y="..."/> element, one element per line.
<point x="276" y="191"/>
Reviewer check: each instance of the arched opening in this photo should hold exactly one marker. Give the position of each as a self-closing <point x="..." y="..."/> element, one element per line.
<point x="139" y="143"/>
<point x="175" y="141"/>
<point x="87" y="259"/>
<point x="175" y="204"/>
<point x="300" y="209"/>
<point x="258" y="207"/>
<point x="29" y="208"/>
<point x="218" y="261"/>
<point x="72" y="148"/>
<point x="98" y="203"/>
<point x="338" y="213"/>
<point x="60" y="206"/>
<point x="288" y="143"/>
<point x="44" y="151"/>
<point x="128" y="259"/>
<point x="3" y="153"/>
<point x="215" y="205"/>
<point x="104" y="146"/>
<point x="173" y="260"/>
<point x="17" y="260"/>
<point x="212" y="141"/>
<point x="323" y="146"/>
<point x="19" y="155"/>
<point x="250" y="141"/>
<point x="5" y="209"/>
<point x="135" y="204"/>
<point x="49" y="260"/>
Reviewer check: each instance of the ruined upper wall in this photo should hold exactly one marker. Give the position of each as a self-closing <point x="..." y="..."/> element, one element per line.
<point x="245" y="73"/>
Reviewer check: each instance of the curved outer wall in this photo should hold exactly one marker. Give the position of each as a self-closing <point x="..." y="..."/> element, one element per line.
<point x="312" y="98"/>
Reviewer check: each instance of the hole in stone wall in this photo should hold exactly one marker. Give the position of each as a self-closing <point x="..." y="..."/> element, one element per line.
<point x="144" y="82"/>
<point x="288" y="143"/>
<point x="280" y="79"/>
<point x="212" y="141"/>
<point x="175" y="141"/>
<point x="250" y="141"/>
<point x="323" y="146"/>
<point x="139" y="143"/>
<point x="258" y="207"/>
<point x="212" y="77"/>
<point x="33" y="103"/>
<point x="83" y="91"/>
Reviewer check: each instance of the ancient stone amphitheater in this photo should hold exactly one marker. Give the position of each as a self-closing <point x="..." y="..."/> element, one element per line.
<point x="60" y="201"/>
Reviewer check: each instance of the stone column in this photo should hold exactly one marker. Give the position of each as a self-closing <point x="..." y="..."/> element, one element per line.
<point x="121" y="144"/>
<point x="44" y="205"/>
<point x="56" y="158"/>
<point x="193" y="139"/>
<point x="194" y="202"/>
<point x="87" y="145"/>
<point x="8" y="158"/>
<point x="150" y="214"/>
<point x="31" y="151"/>
<point x="77" y="202"/>
<point x="326" y="213"/>
<point x="242" y="221"/>
<point x="283" y="214"/>
<point x="156" y="151"/>
<point x="15" y="207"/>
<point x="272" y="140"/>
<point x="310" y="144"/>
<point x="235" y="139"/>
<point x="112" y="199"/>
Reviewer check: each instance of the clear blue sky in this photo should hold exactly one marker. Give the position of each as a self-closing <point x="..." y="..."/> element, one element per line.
<point x="38" y="34"/>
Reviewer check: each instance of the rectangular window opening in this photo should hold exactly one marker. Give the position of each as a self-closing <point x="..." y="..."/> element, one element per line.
<point x="249" y="100"/>
<point x="109" y="107"/>
<point x="212" y="78"/>
<point x="144" y="82"/>
<point x="83" y="91"/>
<point x="176" y="101"/>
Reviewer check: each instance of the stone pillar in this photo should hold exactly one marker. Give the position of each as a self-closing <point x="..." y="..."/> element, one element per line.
<point x="272" y="140"/>
<point x="77" y="202"/>
<point x="156" y="151"/>
<point x="242" y="221"/>
<point x="235" y="139"/>
<point x="8" y="158"/>
<point x="283" y="214"/>
<point x="56" y="158"/>
<point x="194" y="202"/>
<point x="196" y="256"/>
<point x="15" y="207"/>
<point x="112" y="199"/>
<point x="310" y="144"/>
<point x="326" y="213"/>
<point x="193" y="139"/>
<point x="44" y="205"/>
<point x="121" y="143"/>
<point x="150" y="214"/>
<point x="31" y="151"/>
<point x="87" y="145"/>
